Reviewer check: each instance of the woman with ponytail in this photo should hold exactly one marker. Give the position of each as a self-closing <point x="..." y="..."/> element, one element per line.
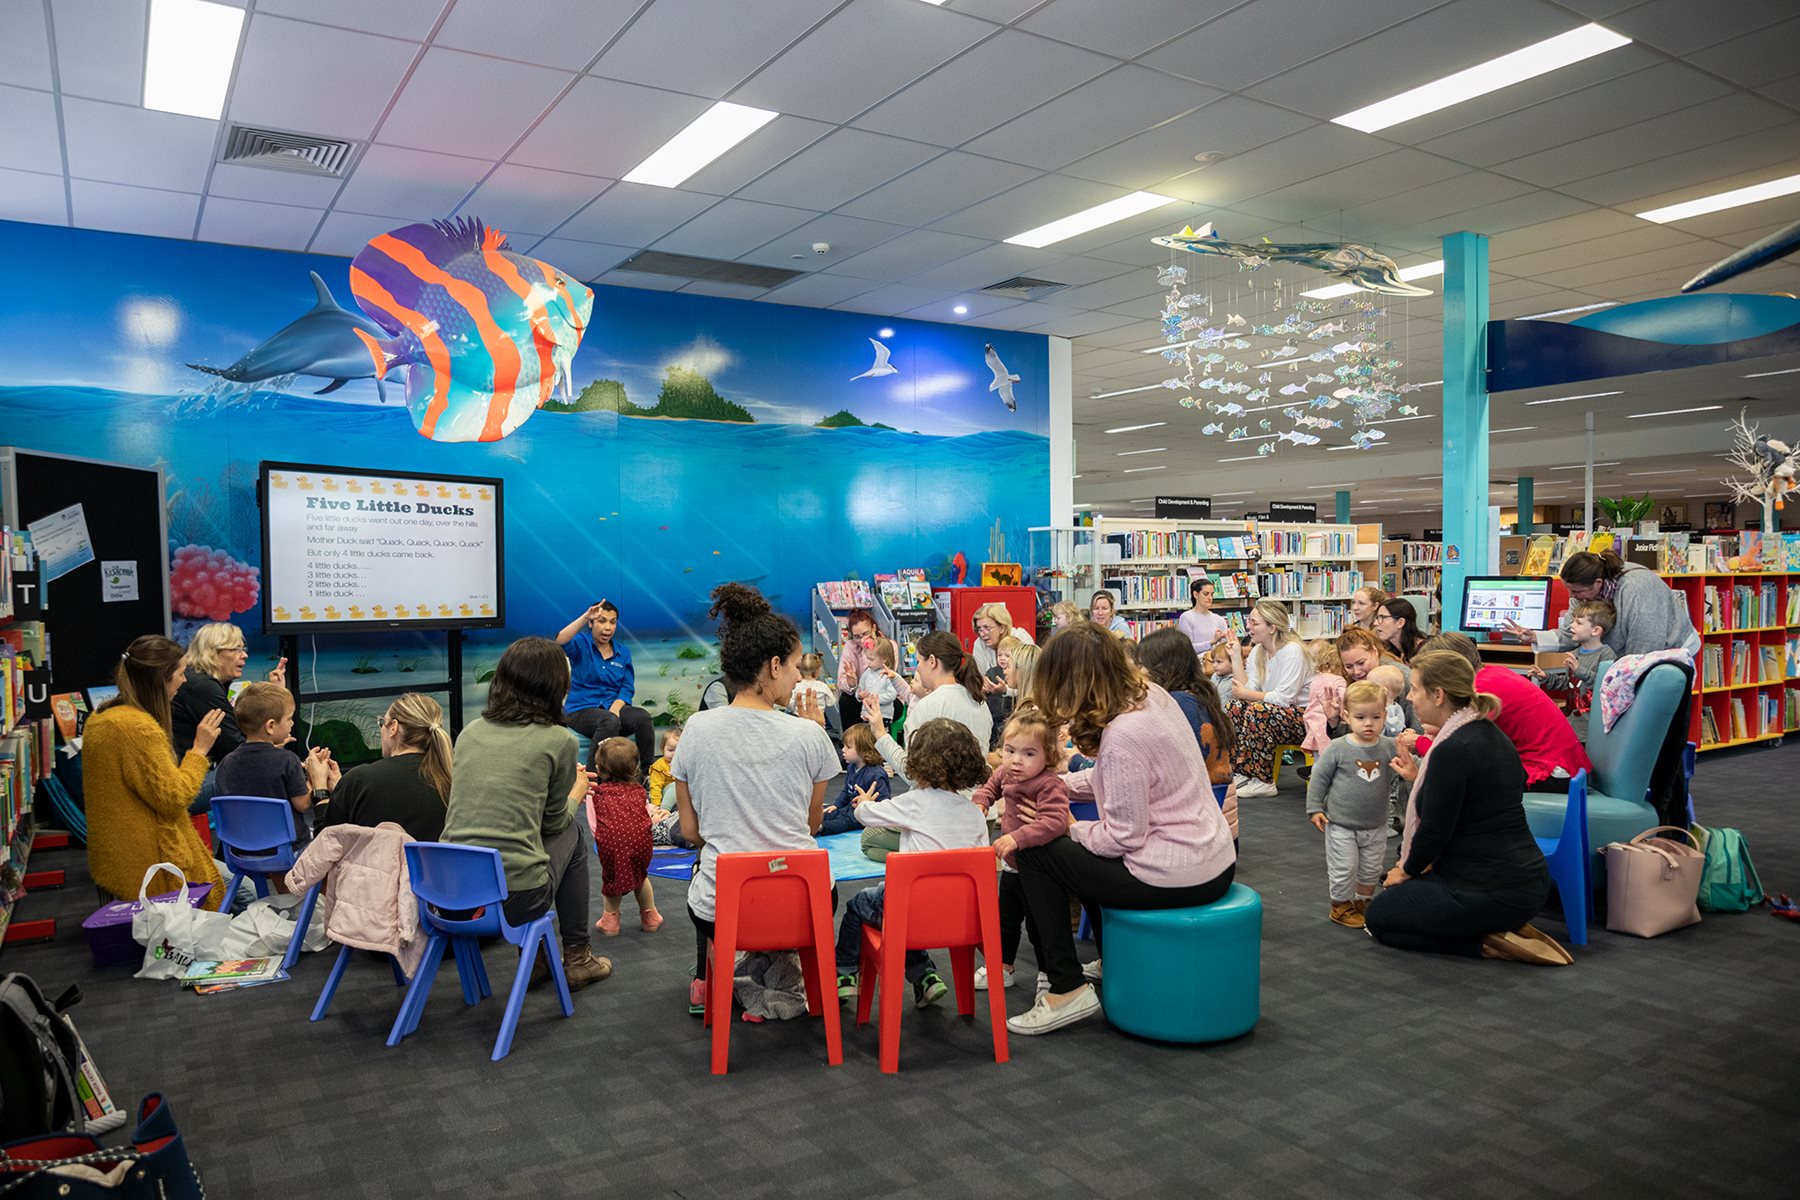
<point x="1650" y="615"/>
<point x="1470" y="876"/>
<point x="949" y="685"/>
<point x="410" y="784"/>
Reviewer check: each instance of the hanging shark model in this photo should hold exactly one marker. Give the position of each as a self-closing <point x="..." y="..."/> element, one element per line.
<point x="1368" y="269"/>
<point x="1777" y="245"/>
<point x="322" y="343"/>
<point x="1003" y="380"/>
<point x="881" y="367"/>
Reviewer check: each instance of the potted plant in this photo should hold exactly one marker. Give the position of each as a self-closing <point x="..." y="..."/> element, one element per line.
<point x="1626" y="511"/>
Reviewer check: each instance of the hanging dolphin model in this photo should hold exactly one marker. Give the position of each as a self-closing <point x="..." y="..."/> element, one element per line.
<point x="1003" y="381"/>
<point x="1777" y="245"/>
<point x="881" y="367"/>
<point x="322" y="343"/>
<point x="1368" y="269"/>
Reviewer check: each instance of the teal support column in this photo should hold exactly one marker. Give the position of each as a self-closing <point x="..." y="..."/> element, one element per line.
<point x="1525" y="506"/>
<point x="1465" y="414"/>
<point x="1343" y="508"/>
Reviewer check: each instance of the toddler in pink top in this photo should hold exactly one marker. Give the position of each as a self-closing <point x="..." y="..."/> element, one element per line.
<point x="1030" y="751"/>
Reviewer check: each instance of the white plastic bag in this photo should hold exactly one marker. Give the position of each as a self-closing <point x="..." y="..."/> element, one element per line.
<point x="173" y="933"/>
<point x="266" y="927"/>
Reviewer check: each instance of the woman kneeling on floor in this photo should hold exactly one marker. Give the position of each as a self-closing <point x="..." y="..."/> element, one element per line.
<point x="1470" y="876"/>
<point x="1160" y="842"/>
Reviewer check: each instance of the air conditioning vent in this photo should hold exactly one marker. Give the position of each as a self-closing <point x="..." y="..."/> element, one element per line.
<point x="688" y="266"/>
<point x="306" y="153"/>
<point x="1023" y="287"/>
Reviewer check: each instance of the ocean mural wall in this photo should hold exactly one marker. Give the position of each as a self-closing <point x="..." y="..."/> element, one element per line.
<point x="691" y="440"/>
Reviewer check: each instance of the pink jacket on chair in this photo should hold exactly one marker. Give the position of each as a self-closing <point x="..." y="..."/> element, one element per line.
<point x="1325" y="706"/>
<point x="368" y="900"/>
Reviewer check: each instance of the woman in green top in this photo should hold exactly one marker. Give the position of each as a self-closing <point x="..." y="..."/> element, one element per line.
<point x="516" y="788"/>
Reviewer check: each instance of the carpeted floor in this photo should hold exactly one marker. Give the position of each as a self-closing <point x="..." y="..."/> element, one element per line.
<point x="1659" y="1068"/>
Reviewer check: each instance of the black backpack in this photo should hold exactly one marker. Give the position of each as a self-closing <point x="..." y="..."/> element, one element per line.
<point x="39" y="1062"/>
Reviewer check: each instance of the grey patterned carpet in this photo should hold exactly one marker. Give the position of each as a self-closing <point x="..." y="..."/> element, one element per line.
<point x="1661" y="1068"/>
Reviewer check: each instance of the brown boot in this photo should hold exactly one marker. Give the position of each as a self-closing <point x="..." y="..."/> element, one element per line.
<point x="1346" y="913"/>
<point x="1526" y="945"/>
<point x="582" y="966"/>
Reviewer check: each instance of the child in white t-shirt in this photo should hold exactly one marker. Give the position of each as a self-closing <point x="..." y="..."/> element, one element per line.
<point x="811" y="667"/>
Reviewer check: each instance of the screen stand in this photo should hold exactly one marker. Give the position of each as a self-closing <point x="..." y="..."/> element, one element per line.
<point x="452" y="687"/>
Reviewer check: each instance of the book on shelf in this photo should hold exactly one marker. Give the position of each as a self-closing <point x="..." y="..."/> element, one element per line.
<point x="1740" y="722"/>
<point x="1768" y="715"/>
<point x="1790" y="717"/>
<point x="1790" y="551"/>
<point x="1712" y="620"/>
<point x="1671" y="554"/>
<point x="1712" y="665"/>
<point x="1773" y="663"/>
<point x="1537" y="558"/>
<point x="847" y="593"/>
<point x="1740" y="662"/>
<point x="1709" y="727"/>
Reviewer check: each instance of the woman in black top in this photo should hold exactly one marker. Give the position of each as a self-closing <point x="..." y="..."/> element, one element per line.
<point x="1470" y="875"/>
<point x="215" y="660"/>
<point x="410" y="784"/>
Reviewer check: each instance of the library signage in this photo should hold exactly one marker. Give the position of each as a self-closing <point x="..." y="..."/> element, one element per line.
<point x="1184" y="508"/>
<point x="1434" y="535"/>
<point x="1288" y="510"/>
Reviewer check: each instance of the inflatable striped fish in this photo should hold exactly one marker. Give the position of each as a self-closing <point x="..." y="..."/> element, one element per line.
<point x="485" y="335"/>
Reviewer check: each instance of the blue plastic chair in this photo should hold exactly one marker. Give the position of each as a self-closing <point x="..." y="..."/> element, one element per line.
<point x="1566" y="855"/>
<point x="449" y="878"/>
<point x="256" y="839"/>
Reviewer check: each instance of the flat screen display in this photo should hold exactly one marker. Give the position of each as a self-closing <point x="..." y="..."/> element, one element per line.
<point x="1490" y="601"/>
<point x="348" y="548"/>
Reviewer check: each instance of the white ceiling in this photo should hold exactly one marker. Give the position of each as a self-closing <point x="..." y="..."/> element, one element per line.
<point x="914" y="138"/>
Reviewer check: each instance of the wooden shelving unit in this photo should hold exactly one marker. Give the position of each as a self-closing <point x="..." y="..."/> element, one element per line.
<point x="1315" y="569"/>
<point x="1158" y="561"/>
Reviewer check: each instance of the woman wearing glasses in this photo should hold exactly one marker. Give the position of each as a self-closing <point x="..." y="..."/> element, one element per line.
<point x="215" y="660"/>
<point x="1397" y="625"/>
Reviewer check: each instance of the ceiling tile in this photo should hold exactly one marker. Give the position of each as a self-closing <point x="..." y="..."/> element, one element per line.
<point x="1265" y="37"/>
<point x="566" y="34"/>
<point x="837" y="168"/>
<point x="410" y="19"/>
<point x="1078" y="269"/>
<point x="100" y="49"/>
<point x="994" y="82"/>
<point x="1454" y="195"/>
<point x="1165" y="155"/>
<point x="1003" y="11"/>
<point x="1645" y="237"/>
<point x="24" y="46"/>
<point x="1671" y="25"/>
<point x="470" y="104"/>
<point x="707" y="47"/>
<point x="247" y="223"/>
<point x="1304" y="155"/>
<point x="123" y="144"/>
<point x="867" y="51"/>
<point x="346" y="233"/>
<point x="733" y="227"/>
<point x="1130" y="285"/>
<point x="1122" y="30"/>
<point x="530" y="200"/>
<point x="272" y="186"/>
<point x="848" y="238"/>
<point x="1693" y="126"/>
<point x="1783" y="91"/>
<point x="894" y="299"/>
<point x="1091" y="117"/>
<point x="756" y="155"/>
<point x="123" y="209"/>
<point x="978" y="309"/>
<point x="938" y="188"/>
<point x="1755" y="58"/>
<point x="583" y="260"/>
<point x="29" y="140"/>
<point x="984" y="267"/>
<point x="1025" y="316"/>
<point x="912" y="252"/>
<point x="316" y="79"/>
<point x="604" y="127"/>
<point x="1319" y="198"/>
<point x="637" y="279"/>
<point x="1044" y="199"/>
<point x="1559" y="232"/>
<point x="1736" y="227"/>
<point x="731" y="291"/>
<point x="412" y="184"/>
<point x="634" y="214"/>
<point x="38" y="199"/>
<point x="819" y="290"/>
<point x="1714" y="167"/>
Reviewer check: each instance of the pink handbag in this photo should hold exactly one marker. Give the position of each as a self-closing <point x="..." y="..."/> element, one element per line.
<point x="1652" y="882"/>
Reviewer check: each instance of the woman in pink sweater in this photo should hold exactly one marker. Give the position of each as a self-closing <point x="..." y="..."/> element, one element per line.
<point x="1160" y="842"/>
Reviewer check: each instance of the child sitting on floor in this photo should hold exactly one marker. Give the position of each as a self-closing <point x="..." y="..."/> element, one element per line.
<point x="865" y="778"/>
<point x="1030" y="752"/>
<point x="622" y="833"/>
<point x="1347" y="800"/>
<point x="665" y="822"/>
<point x="942" y="758"/>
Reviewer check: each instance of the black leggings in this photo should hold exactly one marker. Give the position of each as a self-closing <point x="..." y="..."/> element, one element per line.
<point x="570" y="852"/>
<point x="598" y="724"/>
<point x="1434" y="916"/>
<point x="1064" y="868"/>
<point x="1014" y="918"/>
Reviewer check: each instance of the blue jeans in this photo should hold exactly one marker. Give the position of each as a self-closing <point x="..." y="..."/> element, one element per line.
<point x="865" y="908"/>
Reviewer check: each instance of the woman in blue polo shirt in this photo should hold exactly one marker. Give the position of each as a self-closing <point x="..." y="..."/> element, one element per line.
<point x="602" y="683"/>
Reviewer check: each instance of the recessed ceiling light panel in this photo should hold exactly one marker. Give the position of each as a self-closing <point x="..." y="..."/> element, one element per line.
<point x="189" y="51"/>
<point x="710" y="134"/>
<point x="1089" y="219"/>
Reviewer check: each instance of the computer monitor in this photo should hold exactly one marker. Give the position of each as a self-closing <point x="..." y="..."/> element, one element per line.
<point x="1490" y="601"/>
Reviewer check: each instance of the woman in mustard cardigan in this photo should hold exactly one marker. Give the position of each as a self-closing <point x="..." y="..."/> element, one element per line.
<point x="137" y="795"/>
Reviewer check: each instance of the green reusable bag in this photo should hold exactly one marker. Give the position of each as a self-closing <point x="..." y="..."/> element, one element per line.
<point x="1728" y="882"/>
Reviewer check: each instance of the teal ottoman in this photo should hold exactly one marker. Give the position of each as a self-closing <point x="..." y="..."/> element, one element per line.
<point x="1185" y="974"/>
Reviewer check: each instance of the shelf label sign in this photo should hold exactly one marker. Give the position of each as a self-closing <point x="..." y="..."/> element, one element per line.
<point x="1184" y="508"/>
<point x="1434" y="535"/>
<point x="1292" y="510"/>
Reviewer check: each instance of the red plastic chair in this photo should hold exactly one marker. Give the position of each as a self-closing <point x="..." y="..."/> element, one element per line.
<point x="774" y="901"/>
<point x="935" y="898"/>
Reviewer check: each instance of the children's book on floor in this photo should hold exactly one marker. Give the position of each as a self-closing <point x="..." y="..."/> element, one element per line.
<point x="221" y="975"/>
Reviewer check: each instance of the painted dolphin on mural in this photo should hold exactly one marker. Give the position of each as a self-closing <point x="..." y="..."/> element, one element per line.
<point x="485" y="334"/>
<point x="1368" y="269"/>
<point x="1003" y="381"/>
<point x="323" y="343"/>
<point x="1777" y="245"/>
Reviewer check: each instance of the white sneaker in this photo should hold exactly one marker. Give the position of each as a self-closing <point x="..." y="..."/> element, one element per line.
<point x="1240" y="779"/>
<point x="981" y="978"/>
<point x="1091" y="971"/>
<point x="1042" y="1018"/>
<point x="1256" y="789"/>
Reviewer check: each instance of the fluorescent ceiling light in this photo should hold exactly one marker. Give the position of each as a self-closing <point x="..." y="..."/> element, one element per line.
<point x="1527" y="63"/>
<point x="1242" y="458"/>
<point x="1732" y="199"/>
<point x="188" y="56"/>
<point x="1217" y="495"/>
<point x="1397" y="420"/>
<point x="1766" y="374"/>
<point x="1421" y="271"/>
<point x="1508" y="429"/>
<point x="1156" y="450"/>
<point x="961" y="310"/>
<point x="711" y="134"/>
<point x="1089" y="218"/>
<point x="1682" y="471"/>
<point x="1132" y="428"/>
<point x="1583" y="466"/>
<point x="1148" y="387"/>
<point x="1583" y="396"/>
<point x="1673" y="412"/>
<point x="1135" y="470"/>
<point x="1563" y="312"/>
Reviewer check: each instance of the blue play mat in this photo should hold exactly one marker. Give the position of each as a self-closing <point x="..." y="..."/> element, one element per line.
<point x="848" y="862"/>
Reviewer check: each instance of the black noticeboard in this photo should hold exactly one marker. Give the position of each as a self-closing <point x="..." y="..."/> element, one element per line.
<point x="1291" y="510"/>
<point x="124" y="511"/>
<point x="1184" y="508"/>
<point x="1256" y="516"/>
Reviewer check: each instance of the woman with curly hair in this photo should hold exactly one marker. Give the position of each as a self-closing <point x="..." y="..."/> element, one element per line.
<point x="1160" y="841"/>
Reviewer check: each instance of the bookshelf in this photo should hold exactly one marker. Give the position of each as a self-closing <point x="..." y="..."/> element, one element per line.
<point x="1747" y="678"/>
<point x="1315" y="569"/>
<point x="1150" y="565"/>
<point x="27" y="738"/>
<point x="832" y="603"/>
<point x="1421" y="567"/>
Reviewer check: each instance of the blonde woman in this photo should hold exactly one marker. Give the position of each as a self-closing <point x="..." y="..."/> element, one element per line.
<point x="410" y="783"/>
<point x="1363" y="603"/>
<point x="215" y="660"/>
<point x="993" y="628"/>
<point x="1020" y="666"/>
<point x="1268" y="696"/>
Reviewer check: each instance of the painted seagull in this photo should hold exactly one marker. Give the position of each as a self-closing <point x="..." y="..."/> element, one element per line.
<point x="881" y="367"/>
<point x="322" y="343"/>
<point x="1368" y="269"/>
<point x="1003" y="381"/>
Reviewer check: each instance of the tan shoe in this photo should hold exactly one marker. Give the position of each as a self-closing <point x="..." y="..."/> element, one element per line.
<point x="1526" y="945"/>
<point x="1346" y="913"/>
<point x="582" y="966"/>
